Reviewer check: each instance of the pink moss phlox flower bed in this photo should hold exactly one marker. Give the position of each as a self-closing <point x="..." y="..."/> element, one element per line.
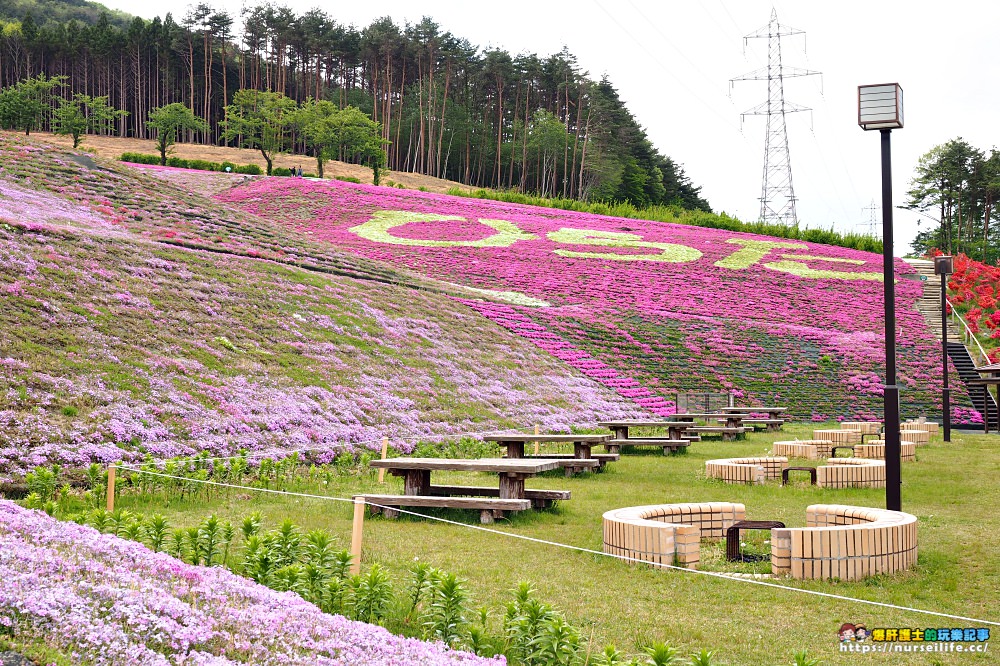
<point x="769" y="319"/>
<point x="110" y="601"/>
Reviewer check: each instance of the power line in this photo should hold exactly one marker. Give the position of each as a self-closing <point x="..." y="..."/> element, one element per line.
<point x="655" y="59"/>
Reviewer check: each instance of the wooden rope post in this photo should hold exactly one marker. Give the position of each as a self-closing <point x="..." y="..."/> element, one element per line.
<point x="111" y="487"/>
<point x="536" y="435"/>
<point x="385" y="451"/>
<point x="356" y="531"/>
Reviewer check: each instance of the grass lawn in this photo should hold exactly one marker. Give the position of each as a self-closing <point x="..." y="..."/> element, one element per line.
<point x="951" y="488"/>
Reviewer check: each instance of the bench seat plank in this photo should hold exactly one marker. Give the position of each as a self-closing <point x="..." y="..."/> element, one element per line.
<point x="667" y="445"/>
<point x="485" y="491"/>
<point x="488" y="507"/>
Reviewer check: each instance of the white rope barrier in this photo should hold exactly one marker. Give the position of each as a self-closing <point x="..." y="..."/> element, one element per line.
<point x="580" y="549"/>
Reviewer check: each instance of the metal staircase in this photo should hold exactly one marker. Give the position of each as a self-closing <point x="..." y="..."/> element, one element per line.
<point x="964" y="349"/>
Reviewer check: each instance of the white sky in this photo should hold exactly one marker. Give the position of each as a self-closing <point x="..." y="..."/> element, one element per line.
<point x="671" y="61"/>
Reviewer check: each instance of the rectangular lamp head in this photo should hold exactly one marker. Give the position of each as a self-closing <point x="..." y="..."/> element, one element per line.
<point x="880" y="106"/>
<point x="944" y="265"/>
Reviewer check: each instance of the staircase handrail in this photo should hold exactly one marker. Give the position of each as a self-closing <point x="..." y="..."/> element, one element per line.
<point x="968" y="335"/>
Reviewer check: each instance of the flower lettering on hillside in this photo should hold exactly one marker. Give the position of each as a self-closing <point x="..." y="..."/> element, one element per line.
<point x="788" y="265"/>
<point x="753" y="251"/>
<point x="668" y="252"/>
<point x="377" y="230"/>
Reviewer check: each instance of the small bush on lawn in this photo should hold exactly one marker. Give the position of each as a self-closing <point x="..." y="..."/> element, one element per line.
<point x="250" y="169"/>
<point x="281" y="171"/>
<point x="204" y="165"/>
<point x="140" y="158"/>
<point x="348" y="179"/>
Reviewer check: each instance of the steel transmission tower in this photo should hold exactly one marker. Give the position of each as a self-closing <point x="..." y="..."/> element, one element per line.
<point x="777" y="197"/>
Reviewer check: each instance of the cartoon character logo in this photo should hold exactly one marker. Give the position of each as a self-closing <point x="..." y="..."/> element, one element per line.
<point x="847" y="632"/>
<point x="861" y="632"/>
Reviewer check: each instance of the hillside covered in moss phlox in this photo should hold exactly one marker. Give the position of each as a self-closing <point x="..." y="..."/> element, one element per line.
<point x="141" y="319"/>
<point x="647" y="308"/>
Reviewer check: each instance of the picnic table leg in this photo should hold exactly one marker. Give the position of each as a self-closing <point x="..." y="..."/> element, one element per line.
<point x="515" y="449"/>
<point x="417" y="482"/>
<point x="511" y="486"/>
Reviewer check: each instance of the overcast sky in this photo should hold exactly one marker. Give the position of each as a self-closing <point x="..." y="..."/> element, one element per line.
<point x="671" y="61"/>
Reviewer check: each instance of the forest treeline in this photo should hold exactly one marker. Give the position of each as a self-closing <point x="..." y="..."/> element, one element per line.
<point x="444" y="107"/>
<point x="957" y="189"/>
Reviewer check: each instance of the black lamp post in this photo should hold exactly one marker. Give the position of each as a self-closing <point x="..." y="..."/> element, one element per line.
<point x="881" y="107"/>
<point x="945" y="266"/>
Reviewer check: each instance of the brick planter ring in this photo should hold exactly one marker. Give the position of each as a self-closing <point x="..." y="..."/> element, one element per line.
<point x="811" y="449"/>
<point x="876" y="450"/>
<point x="915" y="436"/>
<point x="668" y="533"/>
<point x="845" y="542"/>
<point x="929" y="426"/>
<point x="745" y="470"/>
<point x="864" y="427"/>
<point x="839" y="436"/>
<point x="851" y="473"/>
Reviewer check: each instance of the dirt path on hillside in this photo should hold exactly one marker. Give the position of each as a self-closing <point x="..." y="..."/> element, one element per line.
<point x="113" y="147"/>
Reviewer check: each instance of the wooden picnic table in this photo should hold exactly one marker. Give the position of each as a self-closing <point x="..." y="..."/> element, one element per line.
<point x="675" y="434"/>
<point x="582" y="445"/>
<point x="772" y="412"/>
<point x="732" y="420"/>
<point x="416" y="472"/>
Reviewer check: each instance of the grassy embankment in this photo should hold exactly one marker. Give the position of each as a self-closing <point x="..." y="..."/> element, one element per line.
<point x="947" y="488"/>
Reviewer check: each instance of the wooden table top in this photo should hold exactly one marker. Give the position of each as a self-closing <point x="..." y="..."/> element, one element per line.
<point x="546" y="438"/>
<point x="707" y="415"/>
<point x="755" y="410"/>
<point x="501" y="465"/>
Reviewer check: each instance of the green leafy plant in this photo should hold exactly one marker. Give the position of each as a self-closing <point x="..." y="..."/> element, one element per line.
<point x="661" y="654"/>
<point x="703" y="658"/>
<point x="372" y="595"/>
<point x="445" y="618"/>
<point x="802" y="658"/>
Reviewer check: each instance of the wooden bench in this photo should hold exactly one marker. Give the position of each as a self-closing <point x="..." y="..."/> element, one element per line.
<point x="601" y="458"/>
<point x="668" y="445"/>
<point x="769" y="424"/>
<point x="728" y="434"/>
<point x="540" y="499"/>
<point x="489" y="508"/>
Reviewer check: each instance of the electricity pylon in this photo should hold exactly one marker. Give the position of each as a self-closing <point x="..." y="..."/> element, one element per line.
<point x="777" y="197"/>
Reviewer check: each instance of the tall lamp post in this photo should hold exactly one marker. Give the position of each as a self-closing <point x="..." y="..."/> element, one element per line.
<point x="945" y="266"/>
<point x="880" y="107"/>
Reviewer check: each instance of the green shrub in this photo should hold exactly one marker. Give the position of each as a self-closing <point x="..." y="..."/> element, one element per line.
<point x="251" y="169"/>
<point x="348" y="179"/>
<point x="140" y="158"/>
<point x="204" y="165"/>
<point x="230" y="165"/>
<point x="281" y="171"/>
<point x="178" y="162"/>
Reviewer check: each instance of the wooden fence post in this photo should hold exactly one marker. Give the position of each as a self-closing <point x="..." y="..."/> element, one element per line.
<point x="356" y="531"/>
<point x="111" y="487"/>
<point x="385" y="451"/>
<point x="536" y="435"/>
